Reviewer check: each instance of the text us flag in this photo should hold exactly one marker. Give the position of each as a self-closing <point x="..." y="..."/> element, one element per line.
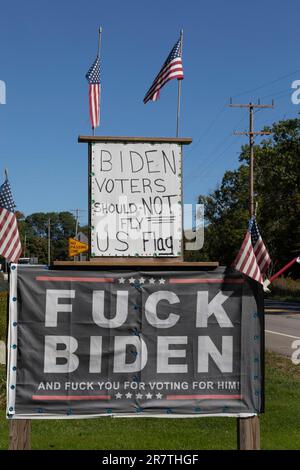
<point x="253" y="258"/>
<point x="172" y="68"/>
<point x="93" y="78"/>
<point x="10" y="245"/>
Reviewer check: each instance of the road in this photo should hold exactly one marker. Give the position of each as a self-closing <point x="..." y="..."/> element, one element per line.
<point x="282" y="326"/>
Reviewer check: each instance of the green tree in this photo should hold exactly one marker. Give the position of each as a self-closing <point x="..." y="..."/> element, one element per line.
<point x="277" y="192"/>
<point x="35" y="226"/>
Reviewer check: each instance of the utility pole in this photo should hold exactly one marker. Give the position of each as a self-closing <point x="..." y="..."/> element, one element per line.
<point x="77" y="215"/>
<point x="248" y="429"/>
<point x="251" y="133"/>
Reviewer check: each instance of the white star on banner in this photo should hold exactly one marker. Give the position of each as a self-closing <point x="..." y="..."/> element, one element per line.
<point x="122" y="280"/>
<point x="158" y="396"/>
<point x="151" y="280"/>
<point x="139" y="396"/>
<point x="131" y="280"/>
<point x="128" y="395"/>
<point x="149" y="396"/>
<point x="142" y="280"/>
<point x="118" y="395"/>
<point x="162" y="280"/>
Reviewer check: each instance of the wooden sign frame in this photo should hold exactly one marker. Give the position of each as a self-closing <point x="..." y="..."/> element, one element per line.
<point x="109" y="139"/>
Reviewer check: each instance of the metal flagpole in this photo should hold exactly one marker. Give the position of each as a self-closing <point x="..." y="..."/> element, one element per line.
<point x="179" y="88"/>
<point x="49" y="243"/>
<point x="98" y="54"/>
<point x="99" y="41"/>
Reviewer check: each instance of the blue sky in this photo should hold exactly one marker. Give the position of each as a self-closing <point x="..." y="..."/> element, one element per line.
<point x="46" y="47"/>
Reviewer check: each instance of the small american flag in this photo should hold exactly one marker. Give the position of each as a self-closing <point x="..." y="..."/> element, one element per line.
<point x="10" y="245"/>
<point x="253" y="258"/>
<point x="172" y="68"/>
<point x="93" y="77"/>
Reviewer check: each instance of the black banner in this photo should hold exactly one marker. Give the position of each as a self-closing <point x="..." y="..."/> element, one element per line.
<point x="157" y="343"/>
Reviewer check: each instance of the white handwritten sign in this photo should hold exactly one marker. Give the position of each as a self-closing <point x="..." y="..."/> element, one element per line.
<point x="136" y="199"/>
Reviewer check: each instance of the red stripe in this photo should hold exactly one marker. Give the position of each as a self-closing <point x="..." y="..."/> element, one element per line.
<point x="8" y="229"/>
<point x="90" y="105"/>
<point x="159" y="87"/>
<point x="74" y="279"/>
<point x="11" y="235"/>
<point x="250" y="265"/>
<point x="256" y="274"/>
<point x="69" y="397"/>
<point x="263" y="259"/>
<point x="15" y="252"/>
<point x="164" y="71"/>
<point x="7" y="238"/>
<point x="249" y="256"/>
<point x="163" y="74"/>
<point x="264" y="265"/>
<point x="94" y="104"/>
<point x="260" y="252"/>
<point x="241" y="251"/>
<point x="205" y="281"/>
<point x="204" y="397"/>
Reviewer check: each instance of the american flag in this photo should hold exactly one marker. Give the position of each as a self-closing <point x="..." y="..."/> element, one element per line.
<point x="172" y="68"/>
<point x="253" y="258"/>
<point x="10" y="245"/>
<point x="93" y="77"/>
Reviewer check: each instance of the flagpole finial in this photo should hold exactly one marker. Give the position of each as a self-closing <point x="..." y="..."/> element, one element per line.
<point x="99" y="40"/>
<point x="6" y="173"/>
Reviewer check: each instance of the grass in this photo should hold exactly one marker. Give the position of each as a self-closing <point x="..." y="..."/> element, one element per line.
<point x="279" y="425"/>
<point x="285" y="289"/>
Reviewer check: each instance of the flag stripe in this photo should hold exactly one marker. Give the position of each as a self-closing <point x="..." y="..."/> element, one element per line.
<point x="242" y="253"/>
<point x="10" y="245"/>
<point x="93" y="78"/>
<point x="172" y="68"/>
<point x="9" y="234"/>
<point x="253" y="258"/>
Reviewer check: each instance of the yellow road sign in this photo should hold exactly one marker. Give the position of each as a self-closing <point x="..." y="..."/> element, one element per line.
<point x="76" y="247"/>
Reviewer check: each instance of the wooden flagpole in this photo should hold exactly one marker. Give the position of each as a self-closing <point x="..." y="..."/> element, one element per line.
<point x="179" y="89"/>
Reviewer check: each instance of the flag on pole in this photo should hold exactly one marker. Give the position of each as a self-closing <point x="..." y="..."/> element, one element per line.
<point x="93" y="78"/>
<point x="172" y="68"/>
<point x="253" y="258"/>
<point x="10" y="244"/>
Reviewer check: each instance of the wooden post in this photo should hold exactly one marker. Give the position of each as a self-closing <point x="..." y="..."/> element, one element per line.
<point x="249" y="433"/>
<point x="19" y="434"/>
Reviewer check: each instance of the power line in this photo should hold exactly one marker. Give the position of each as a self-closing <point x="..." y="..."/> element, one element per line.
<point x="251" y="134"/>
<point x="207" y="167"/>
<point x="193" y="172"/>
<point x="263" y="85"/>
<point x="209" y="127"/>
